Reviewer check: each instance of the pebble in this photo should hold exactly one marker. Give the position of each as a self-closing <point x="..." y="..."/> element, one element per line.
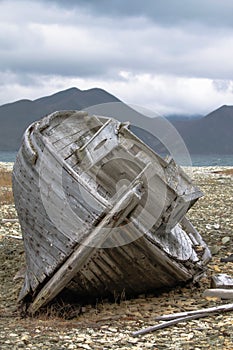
<point x="85" y="346"/>
<point x="114" y="330"/>
<point x="226" y="239"/>
<point x="215" y="249"/>
<point x="25" y="338"/>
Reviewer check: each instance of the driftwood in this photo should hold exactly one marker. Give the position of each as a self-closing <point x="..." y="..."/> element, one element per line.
<point x="219" y="293"/>
<point x="172" y="319"/>
<point x="210" y="310"/>
<point x="222" y="280"/>
<point x="4" y="221"/>
<point x="167" y="324"/>
<point x="15" y="237"/>
<point x="227" y="259"/>
<point x="20" y="274"/>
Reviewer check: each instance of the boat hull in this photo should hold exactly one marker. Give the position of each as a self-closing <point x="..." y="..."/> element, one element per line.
<point x="100" y="212"/>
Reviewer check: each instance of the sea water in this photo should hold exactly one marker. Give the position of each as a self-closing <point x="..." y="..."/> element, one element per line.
<point x="7" y="156"/>
<point x="210" y="160"/>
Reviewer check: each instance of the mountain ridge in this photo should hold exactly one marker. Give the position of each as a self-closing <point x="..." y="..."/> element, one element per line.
<point x="15" y="117"/>
<point x="210" y="134"/>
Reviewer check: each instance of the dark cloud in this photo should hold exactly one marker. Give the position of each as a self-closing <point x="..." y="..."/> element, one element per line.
<point x="167" y="12"/>
<point x="89" y="38"/>
<point x="155" y="50"/>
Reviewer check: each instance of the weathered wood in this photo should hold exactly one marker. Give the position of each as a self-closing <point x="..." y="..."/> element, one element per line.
<point x="20" y="274"/>
<point x="219" y="293"/>
<point x="210" y="310"/>
<point x="189" y="228"/>
<point x="168" y="324"/>
<point x="227" y="259"/>
<point x="69" y="179"/>
<point x="78" y="258"/>
<point x="15" y="237"/>
<point x="4" y="221"/>
<point x="221" y="280"/>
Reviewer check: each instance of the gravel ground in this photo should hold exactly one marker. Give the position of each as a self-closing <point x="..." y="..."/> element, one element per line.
<point x="108" y="325"/>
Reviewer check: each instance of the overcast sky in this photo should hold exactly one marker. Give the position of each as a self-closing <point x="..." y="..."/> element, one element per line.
<point x="171" y="56"/>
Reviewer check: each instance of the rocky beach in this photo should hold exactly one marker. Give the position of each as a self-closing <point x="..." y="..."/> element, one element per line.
<point x="109" y="325"/>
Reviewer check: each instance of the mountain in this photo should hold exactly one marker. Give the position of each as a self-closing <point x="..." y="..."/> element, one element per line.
<point x="184" y="117"/>
<point x="17" y="116"/>
<point x="211" y="134"/>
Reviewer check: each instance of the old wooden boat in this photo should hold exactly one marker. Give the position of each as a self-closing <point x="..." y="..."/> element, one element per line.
<point x="100" y="212"/>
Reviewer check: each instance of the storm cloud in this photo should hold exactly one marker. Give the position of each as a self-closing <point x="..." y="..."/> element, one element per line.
<point x="174" y="56"/>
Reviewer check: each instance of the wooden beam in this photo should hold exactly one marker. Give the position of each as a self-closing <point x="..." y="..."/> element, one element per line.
<point x="210" y="310"/>
<point x="172" y="319"/>
<point x="168" y="324"/>
<point x="219" y="293"/>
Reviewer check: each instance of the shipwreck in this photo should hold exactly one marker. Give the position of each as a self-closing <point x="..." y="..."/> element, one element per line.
<point x="101" y="212"/>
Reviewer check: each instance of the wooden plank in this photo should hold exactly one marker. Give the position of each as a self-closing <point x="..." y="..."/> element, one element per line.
<point x="41" y="263"/>
<point x="75" y="176"/>
<point x="189" y="228"/>
<point x="221" y="280"/>
<point x="168" y="324"/>
<point x="46" y="229"/>
<point x="210" y="310"/>
<point x="91" y="278"/>
<point x="132" y="279"/>
<point x="50" y="255"/>
<point x="85" y="285"/>
<point x="77" y="259"/>
<point x="4" y="221"/>
<point x="35" y="273"/>
<point x="37" y="213"/>
<point x="175" y="243"/>
<point x="219" y="293"/>
<point x="64" y="135"/>
<point x="174" y="269"/>
<point x="26" y="288"/>
<point x="113" y="283"/>
<point x="93" y="273"/>
<point x="49" y="124"/>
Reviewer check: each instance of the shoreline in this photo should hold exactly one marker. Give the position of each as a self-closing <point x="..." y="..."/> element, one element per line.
<point x="6" y="165"/>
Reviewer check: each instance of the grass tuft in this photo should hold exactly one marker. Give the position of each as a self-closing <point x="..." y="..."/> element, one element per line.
<point x="225" y="171"/>
<point x="6" y="195"/>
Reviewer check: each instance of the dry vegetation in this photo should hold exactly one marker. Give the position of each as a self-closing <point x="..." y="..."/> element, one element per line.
<point x="6" y="195"/>
<point x="225" y="171"/>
